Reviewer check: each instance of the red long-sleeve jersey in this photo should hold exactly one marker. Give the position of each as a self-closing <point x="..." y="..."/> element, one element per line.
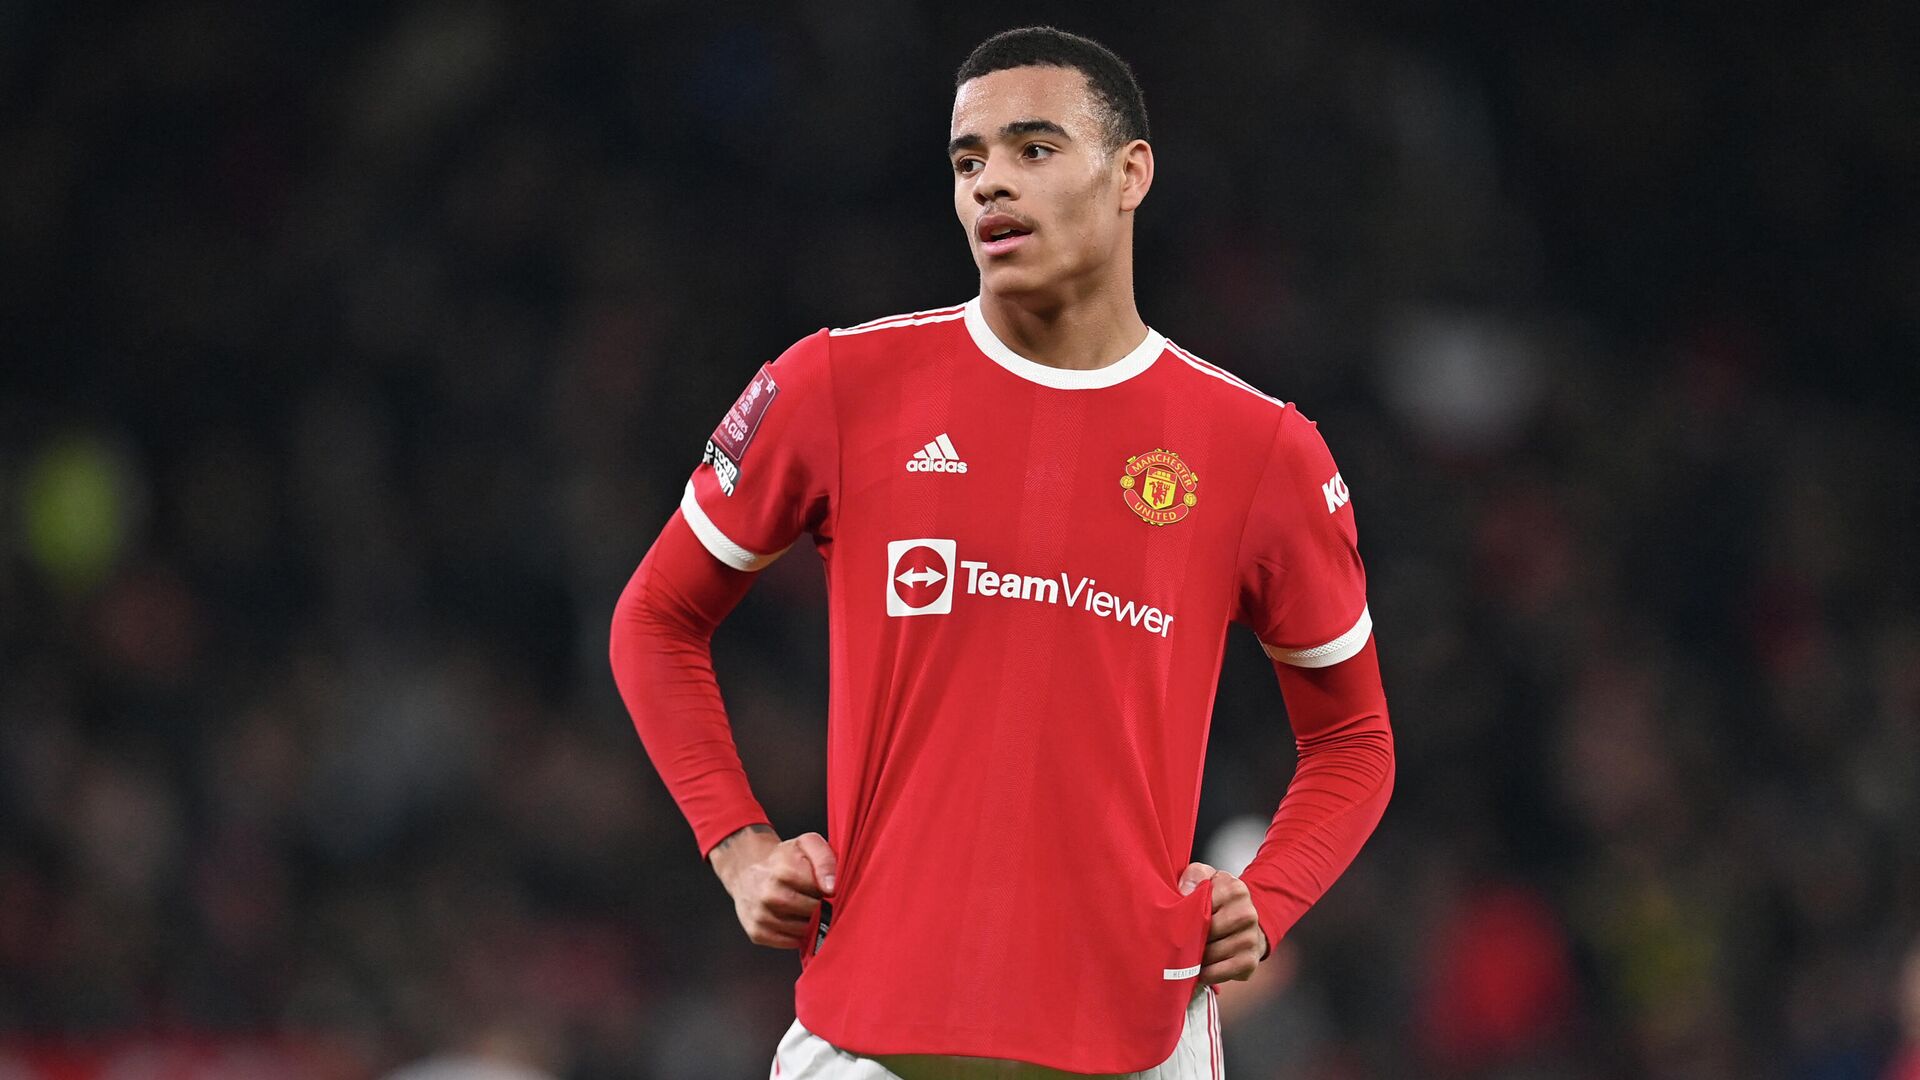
<point x="1030" y="576"/>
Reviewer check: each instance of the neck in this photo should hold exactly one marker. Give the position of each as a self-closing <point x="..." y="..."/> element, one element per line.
<point x="1075" y="332"/>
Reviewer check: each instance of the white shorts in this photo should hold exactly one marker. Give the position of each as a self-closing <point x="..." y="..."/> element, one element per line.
<point x="805" y="1056"/>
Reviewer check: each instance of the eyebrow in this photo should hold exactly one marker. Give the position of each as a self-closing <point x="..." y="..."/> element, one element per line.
<point x="971" y="141"/>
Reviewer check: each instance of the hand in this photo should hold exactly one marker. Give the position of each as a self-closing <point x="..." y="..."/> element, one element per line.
<point x="1235" y="942"/>
<point x="776" y="885"/>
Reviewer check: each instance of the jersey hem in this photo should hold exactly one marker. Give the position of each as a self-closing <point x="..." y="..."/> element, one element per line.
<point x="1041" y="1048"/>
<point x="717" y="543"/>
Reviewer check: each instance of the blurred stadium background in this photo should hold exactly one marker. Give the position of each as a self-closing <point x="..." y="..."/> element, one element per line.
<point x="353" y="354"/>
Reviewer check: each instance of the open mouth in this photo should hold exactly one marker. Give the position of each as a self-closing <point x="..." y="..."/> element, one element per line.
<point x="1000" y="233"/>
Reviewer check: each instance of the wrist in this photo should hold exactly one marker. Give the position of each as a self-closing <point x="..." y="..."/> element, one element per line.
<point x="742" y="847"/>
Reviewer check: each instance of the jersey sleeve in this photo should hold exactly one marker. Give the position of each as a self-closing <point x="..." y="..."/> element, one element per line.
<point x="771" y="465"/>
<point x="1302" y="588"/>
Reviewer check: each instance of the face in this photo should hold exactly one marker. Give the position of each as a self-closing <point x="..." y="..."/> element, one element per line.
<point x="1044" y="201"/>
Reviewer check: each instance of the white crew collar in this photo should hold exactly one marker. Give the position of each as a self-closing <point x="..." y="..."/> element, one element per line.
<point x="1135" y="362"/>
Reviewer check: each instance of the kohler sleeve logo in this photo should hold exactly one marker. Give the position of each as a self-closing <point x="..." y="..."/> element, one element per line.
<point x="1336" y="492"/>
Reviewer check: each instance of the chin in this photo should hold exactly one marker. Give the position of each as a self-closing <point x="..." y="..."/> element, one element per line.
<point x="1005" y="280"/>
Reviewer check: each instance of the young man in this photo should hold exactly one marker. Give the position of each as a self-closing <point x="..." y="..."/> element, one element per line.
<point x="1038" y="517"/>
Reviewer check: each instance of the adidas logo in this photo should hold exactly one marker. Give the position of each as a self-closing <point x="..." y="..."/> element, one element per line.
<point x="937" y="456"/>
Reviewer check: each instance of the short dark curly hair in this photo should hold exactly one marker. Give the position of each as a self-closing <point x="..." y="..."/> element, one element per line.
<point x="1116" y="94"/>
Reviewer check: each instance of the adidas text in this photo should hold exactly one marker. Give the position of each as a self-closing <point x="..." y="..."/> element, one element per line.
<point x="937" y="456"/>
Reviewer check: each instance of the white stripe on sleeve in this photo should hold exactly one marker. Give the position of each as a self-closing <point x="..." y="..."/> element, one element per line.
<point x="718" y="543"/>
<point x="1344" y="647"/>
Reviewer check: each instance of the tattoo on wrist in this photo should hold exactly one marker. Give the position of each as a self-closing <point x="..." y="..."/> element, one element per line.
<point x="737" y="834"/>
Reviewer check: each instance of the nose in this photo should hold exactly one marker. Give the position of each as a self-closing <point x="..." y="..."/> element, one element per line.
<point x="995" y="181"/>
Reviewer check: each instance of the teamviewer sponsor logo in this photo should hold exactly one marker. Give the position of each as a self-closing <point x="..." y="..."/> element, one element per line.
<point x="1080" y="595"/>
<point x="920" y="577"/>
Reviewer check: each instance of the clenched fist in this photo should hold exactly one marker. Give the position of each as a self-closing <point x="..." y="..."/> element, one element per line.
<point x="776" y="884"/>
<point x="1235" y="942"/>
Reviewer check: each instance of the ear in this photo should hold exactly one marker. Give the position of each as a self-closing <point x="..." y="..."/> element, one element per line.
<point x="1136" y="173"/>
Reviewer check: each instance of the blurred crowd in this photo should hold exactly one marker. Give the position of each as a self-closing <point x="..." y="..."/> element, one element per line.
<point x="354" y="353"/>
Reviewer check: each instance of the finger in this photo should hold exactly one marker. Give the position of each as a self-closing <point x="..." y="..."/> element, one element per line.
<point x="790" y="869"/>
<point x="817" y="852"/>
<point x="1227" y="888"/>
<point x="777" y="941"/>
<point x="1233" y="969"/>
<point x="1193" y="875"/>
<point x="1232" y="920"/>
<point x="780" y="924"/>
<point x="771" y="930"/>
<point x="1245" y="943"/>
<point x="754" y="914"/>
<point x="789" y="902"/>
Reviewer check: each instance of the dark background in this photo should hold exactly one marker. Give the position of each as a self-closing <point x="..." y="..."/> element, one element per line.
<point x="354" y="353"/>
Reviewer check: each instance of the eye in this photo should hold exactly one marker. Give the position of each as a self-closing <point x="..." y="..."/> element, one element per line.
<point x="1037" y="151"/>
<point x="966" y="166"/>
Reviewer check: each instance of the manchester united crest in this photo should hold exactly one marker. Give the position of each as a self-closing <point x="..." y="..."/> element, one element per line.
<point x="1159" y="487"/>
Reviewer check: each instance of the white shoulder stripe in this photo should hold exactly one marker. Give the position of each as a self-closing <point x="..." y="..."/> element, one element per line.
<point x="1220" y="373"/>
<point x="1344" y="647"/>
<point x="717" y="543"/>
<point x="1211" y="366"/>
<point x="908" y="315"/>
<point x="891" y="321"/>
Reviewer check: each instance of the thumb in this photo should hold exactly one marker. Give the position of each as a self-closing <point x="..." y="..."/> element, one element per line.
<point x="1192" y="876"/>
<point x="813" y="847"/>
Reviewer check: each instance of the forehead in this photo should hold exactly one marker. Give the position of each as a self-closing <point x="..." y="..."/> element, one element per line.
<point x="984" y="105"/>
